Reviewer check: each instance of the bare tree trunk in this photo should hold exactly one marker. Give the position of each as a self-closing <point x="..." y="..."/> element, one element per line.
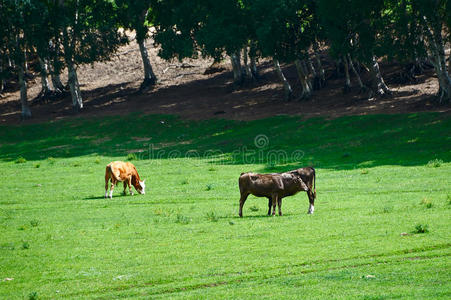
<point x="56" y="82"/>
<point x="319" y="66"/>
<point x="306" y="72"/>
<point x="286" y="85"/>
<point x="2" y="79"/>
<point x="45" y="87"/>
<point x="379" y="85"/>
<point x="26" y="112"/>
<point x="236" y="67"/>
<point x="357" y="75"/>
<point x="253" y="59"/>
<point x="347" y="87"/>
<point x="77" y="101"/>
<point x="247" y="66"/>
<point x="149" y="76"/>
<point x="306" y="90"/>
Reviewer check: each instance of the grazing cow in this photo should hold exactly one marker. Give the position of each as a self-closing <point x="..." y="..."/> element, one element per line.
<point x="276" y="186"/>
<point x="126" y="172"/>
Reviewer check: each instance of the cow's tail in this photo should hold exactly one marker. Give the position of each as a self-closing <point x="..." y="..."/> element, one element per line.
<point x="314" y="183"/>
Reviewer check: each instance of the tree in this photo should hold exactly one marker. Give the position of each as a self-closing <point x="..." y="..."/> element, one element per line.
<point x="432" y="17"/>
<point x="354" y="28"/>
<point x="89" y="32"/>
<point x="135" y="15"/>
<point x="13" y="41"/>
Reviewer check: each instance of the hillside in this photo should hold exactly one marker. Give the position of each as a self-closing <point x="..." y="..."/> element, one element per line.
<point x="111" y="88"/>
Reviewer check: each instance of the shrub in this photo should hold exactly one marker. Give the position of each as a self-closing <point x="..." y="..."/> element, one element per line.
<point x="25" y="245"/>
<point x="184" y="182"/>
<point x="420" y="228"/>
<point x="212" y="216"/>
<point x="209" y="187"/>
<point x="34" y="223"/>
<point x="253" y="208"/>
<point x="181" y="219"/>
<point x="132" y="156"/>
<point x="33" y="296"/>
<point x="426" y="202"/>
<point x="387" y="209"/>
<point x="211" y="169"/>
<point x="435" y="163"/>
<point x="20" y="160"/>
<point x="37" y="166"/>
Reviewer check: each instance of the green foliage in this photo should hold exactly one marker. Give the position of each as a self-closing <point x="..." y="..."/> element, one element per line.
<point x="20" y="160"/>
<point x="421" y="228"/>
<point x="132" y="156"/>
<point x="211" y="216"/>
<point x="181" y="219"/>
<point x="35" y="223"/>
<point x="435" y="163"/>
<point x="33" y="296"/>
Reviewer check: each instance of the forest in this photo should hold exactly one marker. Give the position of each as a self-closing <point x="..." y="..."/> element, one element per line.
<point x="52" y="37"/>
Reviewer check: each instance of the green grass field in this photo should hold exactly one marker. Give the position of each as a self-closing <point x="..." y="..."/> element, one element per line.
<point x="381" y="180"/>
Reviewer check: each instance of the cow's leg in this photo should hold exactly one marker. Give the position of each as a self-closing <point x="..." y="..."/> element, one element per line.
<point x="279" y="204"/>
<point x="106" y="186"/>
<point x="242" y="200"/>
<point x="269" y="206"/>
<point x="274" y="203"/>
<point x="129" y="182"/>
<point x="113" y="183"/>
<point x="311" y="198"/>
<point x="125" y="187"/>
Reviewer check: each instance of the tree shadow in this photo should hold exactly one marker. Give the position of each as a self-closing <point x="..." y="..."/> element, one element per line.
<point x="279" y="143"/>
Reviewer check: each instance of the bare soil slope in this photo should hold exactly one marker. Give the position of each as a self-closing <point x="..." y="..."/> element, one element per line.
<point x="111" y="88"/>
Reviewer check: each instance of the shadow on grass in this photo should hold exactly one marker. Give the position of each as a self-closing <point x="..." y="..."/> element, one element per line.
<point x="279" y="143"/>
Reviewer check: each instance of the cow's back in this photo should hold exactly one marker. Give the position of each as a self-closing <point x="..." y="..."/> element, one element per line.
<point x="121" y="170"/>
<point x="260" y="185"/>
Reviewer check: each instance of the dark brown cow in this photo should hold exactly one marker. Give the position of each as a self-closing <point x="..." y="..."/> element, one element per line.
<point x="276" y="186"/>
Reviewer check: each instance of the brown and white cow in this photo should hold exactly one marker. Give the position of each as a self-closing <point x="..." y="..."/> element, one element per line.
<point x="276" y="186"/>
<point x="123" y="171"/>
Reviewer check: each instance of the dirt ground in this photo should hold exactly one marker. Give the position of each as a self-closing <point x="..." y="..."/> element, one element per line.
<point x="111" y="88"/>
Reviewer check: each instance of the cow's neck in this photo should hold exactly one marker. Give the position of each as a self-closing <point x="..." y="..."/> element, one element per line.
<point x="135" y="181"/>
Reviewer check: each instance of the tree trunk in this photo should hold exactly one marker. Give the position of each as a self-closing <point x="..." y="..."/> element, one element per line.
<point x="317" y="81"/>
<point x="149" y="76"/>
<point x="319" y="66"/>
<point x="236" y="67"/>
<point x="56" y="82"/>
<point x="357" y="75"/>
<point x="307" y="77"/>
<point x="2" y="79"/>
<point x="45" y="87"/>
<point x="253" y="59"/>
<point x="247" y="68"/>
<point x="286" y="85"/>
<point x="26" y="112"/>
<point x="379" y="86"/>
<point x="439" y="62"/>
<point x="347" y="87"/>
<point x="77" y="101"/>
<point x="306" y="91"/>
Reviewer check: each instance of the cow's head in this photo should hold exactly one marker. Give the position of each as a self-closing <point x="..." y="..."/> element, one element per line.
<point x="142" y="187"/>
<point x="297" y="175"/>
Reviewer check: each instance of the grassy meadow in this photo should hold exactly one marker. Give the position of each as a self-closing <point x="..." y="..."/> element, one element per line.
<point x="381" y="227"/>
